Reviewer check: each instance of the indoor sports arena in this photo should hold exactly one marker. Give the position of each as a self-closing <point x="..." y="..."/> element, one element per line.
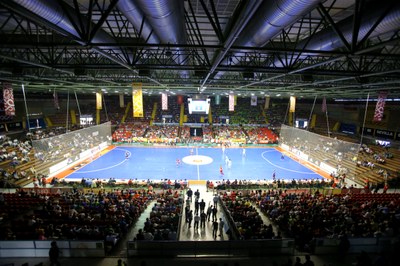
<point x="194" y="132"/>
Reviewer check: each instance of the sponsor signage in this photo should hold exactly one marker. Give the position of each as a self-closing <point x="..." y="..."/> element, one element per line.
<point x="386" y="134"/>
<point x="368" y="131"/>
<point x="398" y="136"/>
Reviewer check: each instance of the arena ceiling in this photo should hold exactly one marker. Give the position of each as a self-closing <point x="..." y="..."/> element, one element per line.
<point x="305" y="48"/>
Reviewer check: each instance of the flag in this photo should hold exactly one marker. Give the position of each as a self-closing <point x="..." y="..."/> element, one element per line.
<point x="253" y="101"/>
<point x="231" y="102"/>
<point x="55" y="100"/>
<point x="380" y="106"/>
<point x="324" y="106"/>
<point x="137" y="99"/>
<point x="8" y="97"/>
<point x="99" y="102"/>
<point x="266" y="105"/>
<point x="217" y="99"/>
<point x="164" y="101"/>
<point x="292" y="104"/>
<point x="121" y="100"/>
<point x="179" y="99"/>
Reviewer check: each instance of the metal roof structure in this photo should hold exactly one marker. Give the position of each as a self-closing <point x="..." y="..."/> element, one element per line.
<point x="305" y="48"/>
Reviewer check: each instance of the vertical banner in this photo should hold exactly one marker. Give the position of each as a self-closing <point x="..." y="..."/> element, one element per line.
<point x="217" y="99"/>
<point x="380" y="106"/>
<point x="231" y="102"/>
<point x="253" y="100"/>
<point x="137" y="99"/>
<point x="99" y="101"/>
<point x="164" y="101"/>
<point x="179" y="99"/>
<point x="266" y="105"/>
<point x="292" y="107"/>
<point x="55" y="100"/>
<point x="121" y="100"/>
<point x="235" y="100"/>
<point x="73" y="116"/>
<point x="8" y="97"/>
<point x="324" y="107"/>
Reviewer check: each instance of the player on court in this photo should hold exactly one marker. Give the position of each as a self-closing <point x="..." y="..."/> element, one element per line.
<point x="127" y="154"/>
<point x="178" y="162"/>
<point x="244" y="152"/>
<point x="221" y="170"/>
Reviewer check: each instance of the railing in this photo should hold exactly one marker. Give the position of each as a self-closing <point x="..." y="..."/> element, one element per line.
<point x="211" y="248"/>
<point x="31" y="249"/>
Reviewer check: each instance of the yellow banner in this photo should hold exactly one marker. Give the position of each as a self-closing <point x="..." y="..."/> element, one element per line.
<point x="292" y="104"/>
<point x="137" y="99"/>
<point x="121" y="100"/>
<point x="99" y="101"/>
<point x="73" y="116"/>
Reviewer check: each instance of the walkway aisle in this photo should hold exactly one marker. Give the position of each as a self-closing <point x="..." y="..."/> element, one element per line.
<point x="201" y="234"/>
<point x="121" y="249"/>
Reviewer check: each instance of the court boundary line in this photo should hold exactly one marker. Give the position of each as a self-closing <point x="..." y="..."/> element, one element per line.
<point x="287" y="169"/>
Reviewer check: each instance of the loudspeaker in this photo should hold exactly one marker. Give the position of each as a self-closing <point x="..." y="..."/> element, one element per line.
<point x="80" y="71"/>
<point x="307" y="78"/>
<point x="248" y="75"/>
<point x="144" y="72"/>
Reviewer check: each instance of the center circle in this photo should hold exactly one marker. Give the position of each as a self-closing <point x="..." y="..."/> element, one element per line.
<point x="197" y="160"/>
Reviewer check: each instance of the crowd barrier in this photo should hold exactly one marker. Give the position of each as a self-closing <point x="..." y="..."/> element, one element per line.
<point x="238" y="248"/>
<point x="41" y="248"/>
<point x="211" y="248"/>
<point x="357" y="245"/>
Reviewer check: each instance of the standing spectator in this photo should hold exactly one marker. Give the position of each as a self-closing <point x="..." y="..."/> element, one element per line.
<point x="54" y="253"/>
<point x="221" y="227"/>
<point x="308" y="262"/>
<point x="189" y="194"/>
<point x="121" y="263"/>
<point x="196" y="205"/>
<point x="202" y="205"/>
<point x="203" y="217"/>
<point x="214" y="213"/>
<point x="197" y="195"/>
<point x="196" y="221"/>
<point x="190" y="218"/>
<point x="209" y="211"/>
<point x="215" y="228"/>
<point x="215" y="200"/>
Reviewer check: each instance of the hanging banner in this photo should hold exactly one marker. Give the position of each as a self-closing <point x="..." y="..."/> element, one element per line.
<point x="8" y="96"/>
<point x="179" y="99"/>
<point x="55" y="100"/>
<point x="231" y="102"/>
<point x="99" y="101"/>
<point x="121" y="100"/>
<point x="324" y="107"/>
<point x="164" y="101"/>
<point x="292" y="107"/>
<point x="137" y="99"/>
<point x="380" y="107"/>
<point x="266" y="104"/>
<point x="253" y="101"/>
<point x="217" y="99"/>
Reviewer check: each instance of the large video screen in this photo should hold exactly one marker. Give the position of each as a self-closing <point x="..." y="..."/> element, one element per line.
<point x="198" y="106"/>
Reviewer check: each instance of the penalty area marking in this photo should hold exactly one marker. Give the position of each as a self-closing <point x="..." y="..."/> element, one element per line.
<point x="284" y="168"/>
<point x="197" y="160"/>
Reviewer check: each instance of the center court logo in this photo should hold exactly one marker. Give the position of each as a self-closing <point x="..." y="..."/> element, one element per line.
<point x="197" y="160"/>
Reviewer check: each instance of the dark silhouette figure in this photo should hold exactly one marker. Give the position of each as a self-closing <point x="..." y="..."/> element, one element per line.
<point x="54" y="253"/>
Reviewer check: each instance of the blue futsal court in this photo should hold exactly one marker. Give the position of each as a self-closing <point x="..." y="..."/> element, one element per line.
<point x="196" y="164"/>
